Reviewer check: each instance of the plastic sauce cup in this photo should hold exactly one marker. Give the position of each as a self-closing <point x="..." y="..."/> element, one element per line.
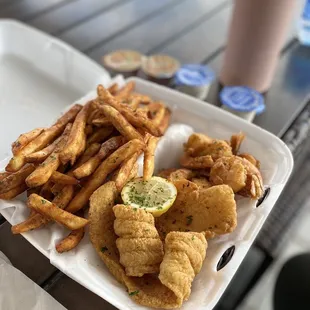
<point x="194" y="80"/>
<point x="126" y="62"/>
<point x="160" y="68"/>
<point x="242" y="101"/>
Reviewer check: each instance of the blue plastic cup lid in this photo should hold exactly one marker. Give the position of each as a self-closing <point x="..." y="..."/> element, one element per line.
<point x="242" y="99"/>
<point x="194" y="75"/>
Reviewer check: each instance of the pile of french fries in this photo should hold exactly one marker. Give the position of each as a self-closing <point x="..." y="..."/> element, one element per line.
<point x="61" y="166"/>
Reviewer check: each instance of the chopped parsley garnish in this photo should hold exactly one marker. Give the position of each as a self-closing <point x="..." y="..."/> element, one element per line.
<point x="103" y="249"/>
<point x="189" y="219"/>
<point x="135" y="209"/>
<point x="193" y="237"/>
<point x="43" y="201"/>
<point x="133" y="293"/>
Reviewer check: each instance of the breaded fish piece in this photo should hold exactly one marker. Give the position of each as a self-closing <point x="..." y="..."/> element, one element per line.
<point x="147" y="290"/>
<point x="211" y="210"/>
<point x="254" y="187"/>
<point x="174" y="174"/>
<point x="185" y="253"/>
<point x="201" y="145"/>
<point x="230" y="171"/>
<point x="139" y="245"/>
<point x="236" y="141"/>
<point x="201" y="182"/>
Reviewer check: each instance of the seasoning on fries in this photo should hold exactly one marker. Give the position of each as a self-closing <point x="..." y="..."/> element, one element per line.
<point x="47" y="136"/>
<point x="51" y="211"/>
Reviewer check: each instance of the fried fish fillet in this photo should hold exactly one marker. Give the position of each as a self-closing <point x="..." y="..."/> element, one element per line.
<point x="147" y="290"/>
<point x="174" y="174"/>
<point x="139" y="245"/>
<point x="184" y="254"/>
<point x="211" y="210"/>
<point x="201" y="145"/>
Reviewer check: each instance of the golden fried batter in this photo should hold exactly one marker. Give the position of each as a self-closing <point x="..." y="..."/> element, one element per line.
<point x="147" y="290"/>
<point x="230" y="171"/>
<point x="251" y="159"/>
<point x="254" y="187"/>
<point x="201" y="182"/>
<point x="235" y="142"/>
<point x="199" y="162"/>
<point x="200" y="145"/>
<point x="184" y="255"/>
<point x="139" y="245"/>
<point x="211" y="210"/>
<point x="240" y="174"/>
<point x="175" y="174"/>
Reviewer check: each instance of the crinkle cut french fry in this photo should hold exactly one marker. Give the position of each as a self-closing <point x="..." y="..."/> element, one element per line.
<point x="133" y="118"/>
<point x="51" y="211"/>
<point x="15" y="179"/>
<point x="61" y="178"/>
<point x="124" y="173"/>
<point x="44" y="171"/>
<point x="14" y="192"/>
<point x="149" y="154"/>
<point x="113" y="89"/>
<point x="126" y="90"/>
<point x="47" y="136"/>
<point x="100" y="135"/>
<point x="100" y="175"/>
<point x="121" y="123"/>
<point x="24" y="139"/>
<point x="41" y="155"/>
<point x="71" y="241"/>
<point x="107" y="148"/>
<point x="76" y="141"/>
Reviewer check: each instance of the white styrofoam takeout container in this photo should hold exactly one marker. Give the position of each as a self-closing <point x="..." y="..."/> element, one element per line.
<point x="41" y="76"/>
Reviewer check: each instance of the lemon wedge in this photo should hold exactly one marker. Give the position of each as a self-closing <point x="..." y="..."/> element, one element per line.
<point x="156" y="195"/>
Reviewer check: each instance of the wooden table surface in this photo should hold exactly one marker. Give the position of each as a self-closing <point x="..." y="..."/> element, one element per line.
<point x="194" y="31"/>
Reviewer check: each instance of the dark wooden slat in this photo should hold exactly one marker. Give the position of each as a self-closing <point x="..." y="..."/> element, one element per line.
<point x="149" y="35"/>
<point x="201" y="41"/>
<point x="7" y="3"/>
<point x="70" y="14"/>
<point x="28" y="9"/>
<point x="103" y="26"/>
<point x="74" y="296"/>
<point x="24" y="256"/>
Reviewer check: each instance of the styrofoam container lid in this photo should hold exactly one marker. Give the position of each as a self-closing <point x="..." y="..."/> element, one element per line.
<point x="194" y="75"/>
<point x="242" y="99"/>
